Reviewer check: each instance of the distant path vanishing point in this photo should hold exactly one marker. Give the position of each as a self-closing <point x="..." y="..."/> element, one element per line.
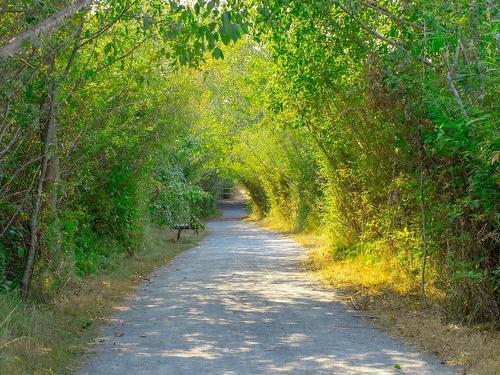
<point x="238" y="303"/>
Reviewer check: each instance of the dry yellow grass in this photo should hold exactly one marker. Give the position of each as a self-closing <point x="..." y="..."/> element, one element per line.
<point x="390" y="299"/>
<point x="49" y="338"/>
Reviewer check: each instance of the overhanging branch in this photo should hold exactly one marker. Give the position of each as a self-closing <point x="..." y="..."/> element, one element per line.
<point x="54" y="21"/>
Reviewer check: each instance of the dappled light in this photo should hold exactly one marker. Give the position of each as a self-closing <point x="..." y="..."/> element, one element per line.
<point x="366" y="130"/>
<point x="240" y="303"/>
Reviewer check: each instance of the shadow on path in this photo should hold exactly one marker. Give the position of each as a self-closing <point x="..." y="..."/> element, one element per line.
<point x="238" y="304"/>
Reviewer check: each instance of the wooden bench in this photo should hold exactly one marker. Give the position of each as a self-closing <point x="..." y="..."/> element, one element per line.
<point x="180" y="228"/>
<point x="226" y="193"/>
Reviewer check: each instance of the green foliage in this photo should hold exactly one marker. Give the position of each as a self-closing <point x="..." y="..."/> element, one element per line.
<point x="375" y="122"/>
<point x="353" y="116"/>
<point x="176" y="200"/>
<point x="125" y="142"/>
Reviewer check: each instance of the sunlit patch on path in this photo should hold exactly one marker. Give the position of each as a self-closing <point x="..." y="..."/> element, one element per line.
<point x="239" y="304"/>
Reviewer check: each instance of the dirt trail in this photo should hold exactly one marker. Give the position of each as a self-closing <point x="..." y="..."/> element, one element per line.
<point x="239" y="304"/>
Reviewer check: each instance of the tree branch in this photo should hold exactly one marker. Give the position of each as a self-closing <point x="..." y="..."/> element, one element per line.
<point x="450" y="76"/>
<point x="54" y="21"/>
<point x="109" y="25"/>
<point x="382" y="37"/>
<point x="386" y="12"/>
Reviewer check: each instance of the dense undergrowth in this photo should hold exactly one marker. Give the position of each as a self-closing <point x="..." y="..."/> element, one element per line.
<point x="94" y="151"/>
<point x="388" y="148"/>
<point x="374" y="123"/>
<point x="383" y="173"/>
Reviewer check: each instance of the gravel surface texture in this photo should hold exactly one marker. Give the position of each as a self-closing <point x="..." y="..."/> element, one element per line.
<point x="239" y="303"/>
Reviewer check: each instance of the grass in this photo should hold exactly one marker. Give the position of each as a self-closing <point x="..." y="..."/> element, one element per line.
<point x="50" y="337"/>
<point x="390" y="299"/>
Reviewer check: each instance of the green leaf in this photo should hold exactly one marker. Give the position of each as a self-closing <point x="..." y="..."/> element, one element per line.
<point x="436" y="43"/>
<point x="174" y="5"/>
<point x="89" y="74"/>
<point x="210" y="5"/>
<point x="211" y="42"/>
<point x="86" y="324"/>
<point x="69" y="226"/>
<point x="108" y="47"/>
<point x="147" y="21"/>
<point x="226" y="18"/>
<point x="225" y="36"/>
<point x="21" y="251"/>
<point x="169" y="35"/>
<point x="234" y="32"/>
<point x="217" y="53"/>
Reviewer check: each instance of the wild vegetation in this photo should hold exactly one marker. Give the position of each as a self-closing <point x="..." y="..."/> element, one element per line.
<point x="374" y="123"/>
<point x="378" y="124"/>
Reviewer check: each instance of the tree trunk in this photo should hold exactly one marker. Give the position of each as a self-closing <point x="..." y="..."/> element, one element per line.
<point x="423" y="214"/>
<point x="51" y="183"/>
<point x="49" y="171"/>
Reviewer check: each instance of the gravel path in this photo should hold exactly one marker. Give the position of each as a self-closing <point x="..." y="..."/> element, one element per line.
<point x="239" y="304"/>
